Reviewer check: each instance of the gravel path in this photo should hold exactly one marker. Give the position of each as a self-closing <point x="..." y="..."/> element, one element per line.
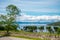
<point x="12" y="38"/>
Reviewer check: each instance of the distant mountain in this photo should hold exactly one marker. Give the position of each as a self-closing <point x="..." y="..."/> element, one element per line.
<point x="55" y="24"/>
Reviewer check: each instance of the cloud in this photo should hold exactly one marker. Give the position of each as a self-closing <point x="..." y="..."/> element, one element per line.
<point x="42" y="18"/>
<point x="41" y="6"/>
<point x="41" y="10"/>
<point x="48" y="6"/>
<point x="35" y="6"/>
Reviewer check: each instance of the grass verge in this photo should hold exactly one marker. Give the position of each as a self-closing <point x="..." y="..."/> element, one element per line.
<point x="31" y="38"/>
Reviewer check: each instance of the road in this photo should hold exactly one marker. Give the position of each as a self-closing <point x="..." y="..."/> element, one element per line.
<point x="12" y="38"/>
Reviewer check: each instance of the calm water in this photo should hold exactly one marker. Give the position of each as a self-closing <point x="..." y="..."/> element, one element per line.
<point x="22" y="24"/>
<point x="34" y="22"/>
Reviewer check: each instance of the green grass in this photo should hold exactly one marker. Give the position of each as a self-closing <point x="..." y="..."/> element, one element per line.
<point x="31" y="35"/>
<point x="30" y="38"/>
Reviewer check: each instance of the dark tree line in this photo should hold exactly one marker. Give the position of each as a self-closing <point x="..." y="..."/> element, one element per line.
<point x="30" y="28"/>
<point x="41" y="28"/>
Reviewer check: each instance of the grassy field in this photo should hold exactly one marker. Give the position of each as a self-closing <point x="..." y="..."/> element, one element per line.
<point x="30" y="35"/>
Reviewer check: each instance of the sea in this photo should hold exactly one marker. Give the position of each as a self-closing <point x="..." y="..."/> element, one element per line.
<point x="22" y="24"/>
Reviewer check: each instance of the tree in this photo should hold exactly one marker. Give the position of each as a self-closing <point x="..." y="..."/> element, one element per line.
<point x="57" y="30"/>
<point x="41" y="28"/>
<point x="30" y="28"/>
<point x="8" y="23"/>
<point x="2" y="28"/>
<point x="12" y="10"/>
<point x="49" y="29"/>
<point x="9" y="20"/>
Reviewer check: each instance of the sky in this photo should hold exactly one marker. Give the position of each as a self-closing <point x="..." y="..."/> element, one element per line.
<point x="34" y="10"/>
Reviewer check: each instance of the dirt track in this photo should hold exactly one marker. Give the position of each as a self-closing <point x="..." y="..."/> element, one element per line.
<point x="11" y="38"/>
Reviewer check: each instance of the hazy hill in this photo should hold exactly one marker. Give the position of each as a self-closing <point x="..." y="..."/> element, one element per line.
<point x="55" y="24"/>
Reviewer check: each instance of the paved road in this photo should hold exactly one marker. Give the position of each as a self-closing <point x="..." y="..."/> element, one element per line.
<point x="11" y="38"/>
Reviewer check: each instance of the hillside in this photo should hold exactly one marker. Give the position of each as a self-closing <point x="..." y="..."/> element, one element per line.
<point x="55" y="24"/>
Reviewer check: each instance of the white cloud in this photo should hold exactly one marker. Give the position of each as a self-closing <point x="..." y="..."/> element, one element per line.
<point x="42" y="10"/>
<point x="42" y="18"/>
